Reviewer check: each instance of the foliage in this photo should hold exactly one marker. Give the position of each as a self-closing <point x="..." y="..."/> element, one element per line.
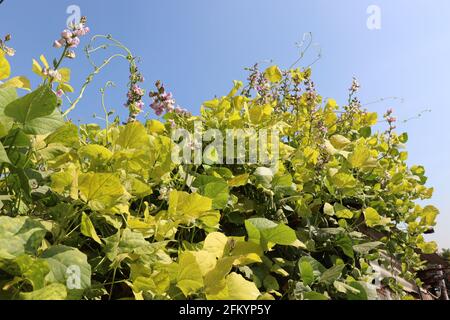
<point x="108" y="205"/>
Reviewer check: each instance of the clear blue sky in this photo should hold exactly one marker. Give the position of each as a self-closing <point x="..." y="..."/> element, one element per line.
<point x="197" y="47"/>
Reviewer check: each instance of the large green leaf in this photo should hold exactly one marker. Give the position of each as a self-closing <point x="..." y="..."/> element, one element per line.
<point x="133" y="136"/>
<point x="189" y="278"/>
<point x="188" y="206"/>
<point x="306" y="272"/>
<point x="20" y="235"/>
<point x="36" y="111"/>
<point x="268" y="233"/>
<point x="214" y="188"/>
<point x="101" y="191"/>
<point x="70" y="267"/>
<point x="332" y="274"/>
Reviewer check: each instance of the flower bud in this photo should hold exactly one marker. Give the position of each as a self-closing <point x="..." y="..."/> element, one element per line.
<point x="66" y="34"/>
<point x="57" y="44"/>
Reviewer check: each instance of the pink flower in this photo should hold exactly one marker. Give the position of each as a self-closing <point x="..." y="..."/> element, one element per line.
<point x="67" y="34"/>
<point x="178" y="110"/>
<point x="392" y="119"/>
<point x="59" y="93"/>
<point x="140" y="105"/>
<point x="74" y="42"/>
<point x="57" y="44"/>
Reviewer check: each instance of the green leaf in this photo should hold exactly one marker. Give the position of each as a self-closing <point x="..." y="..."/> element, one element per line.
<point x="132" y="136"/>
<point x="36" y="111"/>
<point x="343" y="180"/>
<point x="7" y="95"/>
<point x="317" y="266"/>
<point x="373" y="218"/>
<point x="339" y="142"/>
<point x="45" y="124"/>
<point x="332" y="274"/>
<point x="101" y="191"/>
<point x="345" y="243"/>
<point x="95" y="152"/>
<point x="32" y="269"/>
<point x="88" y="229"/>
<point x="429" y="215"/>
<point x="342" y="212"/>
<point x="3" y="155"/>
<point x="240" y="289"/>
<point x="123" y="242"/>
<point x="428" y="247"/>
<point x="70" y="267"/>
<point x="344" y="288"/>
<point x="17" y="82"/>
<point x="55" y="291"/>
<point x="271" y="283"/>
<point x="213" y="188"/>
<point x="188" y="206"/>
<point x="66" y="135"/>
<point x="189" y="278"/>
<point x="360" y="295"/>
<point x="364" y="248"/>
<point x="239" y="181"/>
<point x="20" y="235"/>
<point x="312" y="295"/>
<point x="360" y="155"/>
<point x="268" y="233"/>
<point x="306" y="272"/>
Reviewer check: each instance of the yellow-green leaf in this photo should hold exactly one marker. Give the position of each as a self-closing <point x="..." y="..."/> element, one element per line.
<point x="428" y="247"/>
<point x="241" y="289"/>
<point x="37" y="69"/>
<point x="5" y="68"/>
<point x="339" y="142"/>
<point x="88" y="229"/>
<point x="65" y="74"/>
<point x="155" y="126"/>
<point x="360" y="155"/>
<point x="190" y="206"/>
<point x="44" y="61"/>
<point x="17" y="82"/>
<point x="101" y="191"/>
<point x="239" y="181"/>
<point x="273" y="74"/>
<point x="189" y="277"/>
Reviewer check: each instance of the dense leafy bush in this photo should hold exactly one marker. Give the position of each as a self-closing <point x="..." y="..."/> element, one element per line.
<point x="102" y="212"/>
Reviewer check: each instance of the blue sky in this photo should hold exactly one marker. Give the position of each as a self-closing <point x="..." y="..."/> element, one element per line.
<point x="197" y="47"/>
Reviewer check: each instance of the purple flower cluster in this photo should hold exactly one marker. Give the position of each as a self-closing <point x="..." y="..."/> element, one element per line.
<point x="71" y="38"/>
<point x="135" y="95"/>
<point x="164" y="102"/>
<point x="54" y="75"/>
<point x="258" y="81"/>
<point x="391" y="120"/>
<point x="355" y="86"/>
